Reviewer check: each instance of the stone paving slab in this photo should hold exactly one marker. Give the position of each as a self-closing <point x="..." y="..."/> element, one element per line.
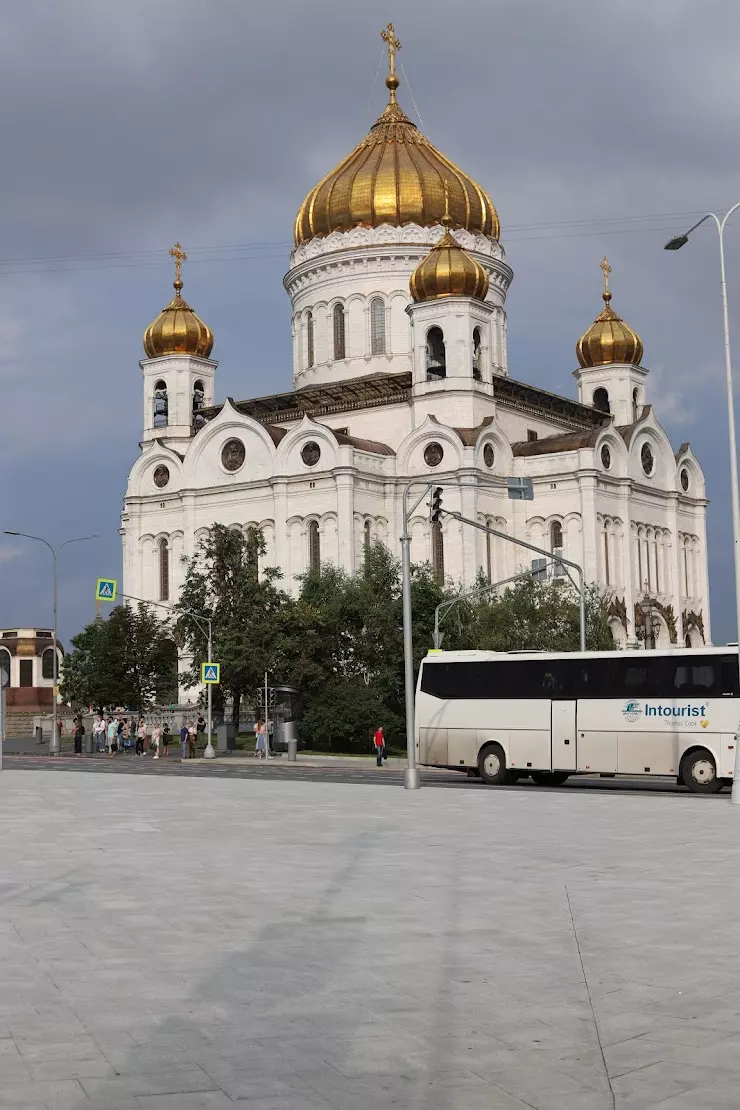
<point x="197" y="943"/>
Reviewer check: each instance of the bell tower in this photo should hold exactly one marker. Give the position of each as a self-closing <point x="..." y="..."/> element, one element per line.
<point x="178" y="372"/>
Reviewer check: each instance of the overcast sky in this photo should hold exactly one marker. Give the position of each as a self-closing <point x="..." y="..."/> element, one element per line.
<point x="126" y="126"/>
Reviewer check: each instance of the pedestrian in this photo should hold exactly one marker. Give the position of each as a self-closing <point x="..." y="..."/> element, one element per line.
<point x="111" y="736"/>
<point x="379" y="742"/>
<point x="126" y="735"/>
<point x="183" y="740"/>
<point x="99" y="732"/>
<point x="141" y="737"/>
<point x="166" y="736"/>
<point x="156" y="735"/>
<point x="192" y="735"/>
<point x="119" y="732"/>
<point x="201" y="728"/>
<point x="79" y="732"/>
<point x="259" y="740"/>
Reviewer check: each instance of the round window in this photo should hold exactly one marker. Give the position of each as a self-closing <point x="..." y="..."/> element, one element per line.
<point x="161" y="477"/>
<point x="606" y="457"/>
<point x="311" y="453"/>
<point x="433" y="454"/>
<point x="233" y="455"/>
<point x="684" y="479"/>
<point x="647" y="459"/>
<point x="488" y="456"/>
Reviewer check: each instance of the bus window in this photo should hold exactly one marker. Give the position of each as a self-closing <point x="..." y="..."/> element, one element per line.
<point x="631" y="678"/>
<point x="583" y="678"/>
<point x="690" y="677"/>
<point x="729" y="676"/>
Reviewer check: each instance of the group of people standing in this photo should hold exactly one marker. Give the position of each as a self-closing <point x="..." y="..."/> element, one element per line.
<point x="121" y="734"/>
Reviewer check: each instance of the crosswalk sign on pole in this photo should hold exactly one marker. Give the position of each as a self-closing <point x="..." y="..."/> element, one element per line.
<point x="106" y="589"/>
<point x="210" y="673"/>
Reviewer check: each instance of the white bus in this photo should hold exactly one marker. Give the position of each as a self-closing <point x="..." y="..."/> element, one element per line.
<point x="512" y="715"/>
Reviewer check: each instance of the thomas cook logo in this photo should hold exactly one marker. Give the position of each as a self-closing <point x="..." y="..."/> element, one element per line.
<point x="632" y="711"/>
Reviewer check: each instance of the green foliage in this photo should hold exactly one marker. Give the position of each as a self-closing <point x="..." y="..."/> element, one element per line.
<point x="127" y="660"/>
<point x="247" y="610"/>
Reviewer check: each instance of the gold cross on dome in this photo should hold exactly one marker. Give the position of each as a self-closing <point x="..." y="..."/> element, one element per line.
<point x="607" y="270"/>
<point x="179" y="256"/>
<point x="389" y="36"/>
<point x="446" y="219"/>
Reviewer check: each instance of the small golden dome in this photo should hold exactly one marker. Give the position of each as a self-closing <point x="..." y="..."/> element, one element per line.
<point x="609" y="339"/>
<point x="394" y="177"/>
<point x="448" y="270"/>
<point x="178" y="330"/>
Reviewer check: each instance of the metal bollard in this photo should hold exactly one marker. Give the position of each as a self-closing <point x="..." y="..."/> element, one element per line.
<point x="292" y="749"/>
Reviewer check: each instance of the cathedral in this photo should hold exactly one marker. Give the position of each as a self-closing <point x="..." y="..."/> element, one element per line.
<point x="398" y="282"/>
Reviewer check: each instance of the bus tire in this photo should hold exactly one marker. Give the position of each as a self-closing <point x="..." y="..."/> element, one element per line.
<point x="549" y="778"/>
<point x="492" y="766"/>
<point x="699" y="772"/>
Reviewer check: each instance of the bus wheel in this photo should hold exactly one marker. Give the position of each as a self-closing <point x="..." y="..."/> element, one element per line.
<point x="699" y="772"/>
<point x="492" y="765"/>
<point x="549" y="778"/>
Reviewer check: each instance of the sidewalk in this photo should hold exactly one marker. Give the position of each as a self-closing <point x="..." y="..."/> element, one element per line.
<point x="337" y="947"/>
<point x="307" y="759"/>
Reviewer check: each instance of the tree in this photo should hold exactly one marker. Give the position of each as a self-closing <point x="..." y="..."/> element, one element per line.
<point x="539" y="616"/>
<point x="223" y="582"/>
<point x="127" y="660"/>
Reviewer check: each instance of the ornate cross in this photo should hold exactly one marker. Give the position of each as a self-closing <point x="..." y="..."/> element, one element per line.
<point x="179" y="256"/>
<point x="446" y="220"/>
<point x="607" y="270"/>
<point x="389" y="36"/>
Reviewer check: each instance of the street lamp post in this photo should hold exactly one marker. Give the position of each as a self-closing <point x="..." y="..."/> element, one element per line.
<point x="673" y="245"/>
<point x="55" y="745"/>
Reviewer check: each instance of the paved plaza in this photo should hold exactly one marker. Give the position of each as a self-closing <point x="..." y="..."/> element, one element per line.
<point x="199" y="943"/>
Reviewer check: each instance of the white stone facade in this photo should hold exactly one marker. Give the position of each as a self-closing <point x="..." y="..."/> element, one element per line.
<point x="321" y="471"/>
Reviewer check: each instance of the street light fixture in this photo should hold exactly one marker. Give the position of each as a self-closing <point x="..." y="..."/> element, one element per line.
<point x="674" y="245"/>
<point x="55" y="745"/>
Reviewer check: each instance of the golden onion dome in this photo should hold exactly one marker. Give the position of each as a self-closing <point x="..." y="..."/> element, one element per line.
<point x="178" y="330"/>
<point x="609" y="339"/>
<point x="448" y="271"/>
<point x="394" y="177"/>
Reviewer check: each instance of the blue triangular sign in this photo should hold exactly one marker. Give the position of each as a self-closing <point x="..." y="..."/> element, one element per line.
<point x="211" y="674"/>
<point x="105" y="589"/>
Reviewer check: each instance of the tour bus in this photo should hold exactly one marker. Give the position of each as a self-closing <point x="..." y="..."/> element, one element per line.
<point x="549" y="716"/>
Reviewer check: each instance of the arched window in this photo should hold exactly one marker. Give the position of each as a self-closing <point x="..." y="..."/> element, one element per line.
<point x="339" y="336"/>
<point x="314" y="547"/>
<point x="607" y="568"/>
<point x="556" y="535"/>
<point x="5" y="662"/>
<point x="160" y="405"/>
<point x="47" y="663"/>
<point x="252" y="553"/>
<point x="366" y="534"/>
<point x="601" y="400"/>
<point x="436" y="361"/>
<point x="168" y="692"/>
<point x="164" y="571"/>
<point x="377" y="326"/>
<point x="438" y="552"/>
<point x="199" y="400"/>
<point x="477" y="372"/>
<point x="635" y="399"/>
<point x="309" y="339"/>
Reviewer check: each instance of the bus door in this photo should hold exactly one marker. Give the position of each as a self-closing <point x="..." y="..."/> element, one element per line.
<point x="564" y="736"/>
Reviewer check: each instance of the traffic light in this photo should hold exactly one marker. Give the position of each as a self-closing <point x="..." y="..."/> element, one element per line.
<point x="436" y="504"/>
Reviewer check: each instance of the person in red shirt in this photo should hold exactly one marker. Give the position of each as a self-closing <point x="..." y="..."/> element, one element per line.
<point x="379" y="742"/>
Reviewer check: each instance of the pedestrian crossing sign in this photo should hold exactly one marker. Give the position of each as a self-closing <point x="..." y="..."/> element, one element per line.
<point x="210" y="673"/>
<point x="106" y="589"/>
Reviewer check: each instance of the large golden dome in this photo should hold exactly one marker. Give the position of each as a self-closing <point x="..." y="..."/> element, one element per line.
<point x="448" y="271"/>
<point x="394" y="177"/>
<point x="609" y="339"/>
<point x="178" y="330"/>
